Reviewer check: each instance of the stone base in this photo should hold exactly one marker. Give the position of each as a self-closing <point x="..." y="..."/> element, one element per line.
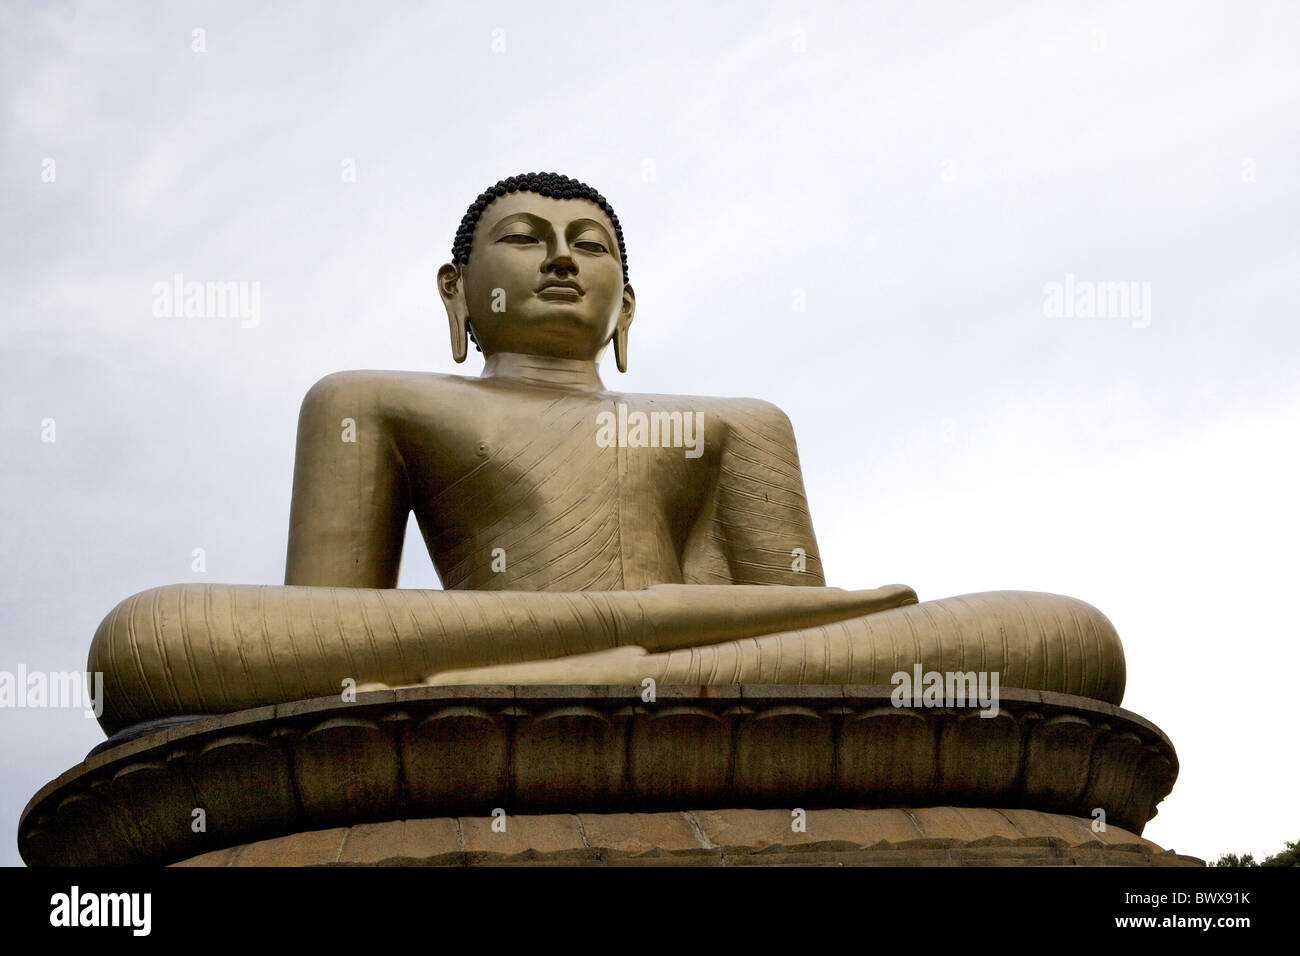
<point x="596" y="762"/>
<point x="928" y="836"/>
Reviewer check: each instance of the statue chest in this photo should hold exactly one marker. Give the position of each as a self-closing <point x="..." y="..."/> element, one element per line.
<point x="575" y="495"/>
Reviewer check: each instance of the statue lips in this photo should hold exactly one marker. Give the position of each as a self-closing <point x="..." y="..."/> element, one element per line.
<point x="560" y="289"/>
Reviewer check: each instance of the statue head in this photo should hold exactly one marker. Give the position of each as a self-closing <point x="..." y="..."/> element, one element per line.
<point x="539" y="267"/>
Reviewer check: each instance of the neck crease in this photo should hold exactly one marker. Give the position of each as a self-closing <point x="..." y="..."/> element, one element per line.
<point x="580" y="374"/>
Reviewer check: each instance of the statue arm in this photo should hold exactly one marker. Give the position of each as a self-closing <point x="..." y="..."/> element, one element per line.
<point x="761" y="512"/>
<point x="348" y="515"/>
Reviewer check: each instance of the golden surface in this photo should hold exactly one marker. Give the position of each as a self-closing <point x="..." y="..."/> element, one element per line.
<point x="572" y="549"/>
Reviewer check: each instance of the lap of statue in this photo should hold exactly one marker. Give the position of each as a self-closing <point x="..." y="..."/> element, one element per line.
<point x="208" y="648"/>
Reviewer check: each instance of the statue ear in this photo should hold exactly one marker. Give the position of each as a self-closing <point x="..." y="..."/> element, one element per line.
<point x="452" y="289"/>
<point x="624" y="322"/>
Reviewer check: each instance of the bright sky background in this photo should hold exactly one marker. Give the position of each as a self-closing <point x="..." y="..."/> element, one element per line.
<point x="919" y="171"/>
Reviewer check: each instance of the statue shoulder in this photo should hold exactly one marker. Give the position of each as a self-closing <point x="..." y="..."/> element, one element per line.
<point x="371" y="391"/>
<point x="736" y="415"/>
<point x="727" y="409"/>
<point x="756" y="414"/>
<point x="747" y="420"/>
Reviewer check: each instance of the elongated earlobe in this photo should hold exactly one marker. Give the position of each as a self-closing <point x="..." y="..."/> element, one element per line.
<point x="453" y="299"/>
<point x="620" y="349"/>
<point x="459" y="337"/>
<point x="624" y="323"/>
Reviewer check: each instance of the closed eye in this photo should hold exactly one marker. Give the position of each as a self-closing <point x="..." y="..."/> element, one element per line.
<point x="518" y="239"/>
<point x="590" y="245"/>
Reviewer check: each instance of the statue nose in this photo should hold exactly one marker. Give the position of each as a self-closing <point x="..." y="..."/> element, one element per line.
<point x="560" y="261"/>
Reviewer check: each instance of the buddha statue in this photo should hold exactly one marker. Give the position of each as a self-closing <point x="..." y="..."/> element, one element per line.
<point x="581" y="535"/>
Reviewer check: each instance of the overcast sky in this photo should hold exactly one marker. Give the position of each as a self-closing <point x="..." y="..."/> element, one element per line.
<point x="913" y="175"/>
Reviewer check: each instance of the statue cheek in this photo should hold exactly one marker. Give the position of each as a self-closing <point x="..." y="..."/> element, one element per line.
<point x="495" y="299"/>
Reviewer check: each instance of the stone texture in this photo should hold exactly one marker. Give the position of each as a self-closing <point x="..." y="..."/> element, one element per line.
<point x="956" y="836"/>
<point x="346" y="769"/>
<point x="966" y="824"/>
<point x="638" y="834"/>
<point x="601" y="750"/>
<point x="213" y="858"/>
<point x="435" y="840"/>
<point x="309" y="848"/>
<point x="558" y="836"/>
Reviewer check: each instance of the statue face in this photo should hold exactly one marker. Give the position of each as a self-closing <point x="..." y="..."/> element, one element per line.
<point x="544" y="278"/>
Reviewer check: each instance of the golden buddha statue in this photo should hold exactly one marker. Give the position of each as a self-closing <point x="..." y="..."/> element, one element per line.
<point x="581" y="535"/>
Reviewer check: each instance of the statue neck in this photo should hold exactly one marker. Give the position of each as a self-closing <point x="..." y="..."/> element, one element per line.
<point x="577" y="374"/>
